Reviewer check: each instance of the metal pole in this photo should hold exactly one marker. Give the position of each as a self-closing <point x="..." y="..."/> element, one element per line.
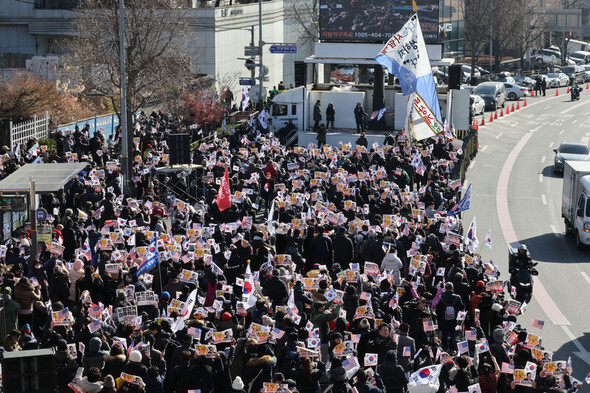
<point x="491" y="32"/>
<point x="260" y="43"/>
<point x="33" y="219"/>
<point x="125" y="164"/>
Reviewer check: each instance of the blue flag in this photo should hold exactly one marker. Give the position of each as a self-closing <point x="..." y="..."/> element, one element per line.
<point x="405" y="56"/>
<point x="464" y="204"/>
<point x="152" y="258"/>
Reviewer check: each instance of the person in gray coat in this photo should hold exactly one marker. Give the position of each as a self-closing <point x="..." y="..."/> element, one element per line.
<point x="404" y="340"/>
<point x="11" y="308"/>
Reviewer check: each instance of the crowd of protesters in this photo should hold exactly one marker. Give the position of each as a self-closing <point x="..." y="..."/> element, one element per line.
<point x="322" y="270"/>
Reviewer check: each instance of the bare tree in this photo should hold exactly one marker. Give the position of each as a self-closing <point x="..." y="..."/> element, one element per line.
<point x="157" y="61"/>
<point x="477" y="19"/>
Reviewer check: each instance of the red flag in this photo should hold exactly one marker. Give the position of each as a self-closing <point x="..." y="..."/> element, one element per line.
<point x="223" y="201"/>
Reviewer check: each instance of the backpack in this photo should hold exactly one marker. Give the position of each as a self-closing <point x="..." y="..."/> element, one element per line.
<point x="450" y="314"/>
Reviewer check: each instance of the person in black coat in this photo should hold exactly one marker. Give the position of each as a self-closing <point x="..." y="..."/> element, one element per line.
<point x="446" y="325"/>
<point x="343" y="248"/>
<point x="275" y="289"/>
<point x="394" y="376"/>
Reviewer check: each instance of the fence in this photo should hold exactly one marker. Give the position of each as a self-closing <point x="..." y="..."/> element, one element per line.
<point x="106" y="123"/>
<point x="37" y="127"/>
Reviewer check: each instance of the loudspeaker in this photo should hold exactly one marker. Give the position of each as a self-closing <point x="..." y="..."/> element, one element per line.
<point x="29" y="371"/>
<point x="455" y="76"/>
<point x="180" y="149"/>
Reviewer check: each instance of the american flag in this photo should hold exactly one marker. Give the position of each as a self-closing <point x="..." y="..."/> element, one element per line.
<point x="407" y="351"/>
<point x="507" y="368"/>
<point x="428" y="326"/>
<point x="537" y="323"/>
<point x="350" y="363"/>
<point x="463" y="346"/>
<point x="471" y="335"/>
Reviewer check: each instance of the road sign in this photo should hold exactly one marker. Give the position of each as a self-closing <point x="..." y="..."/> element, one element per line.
<point x="283" y="48"/>
<point x="246" y="82"/>
<point x="41" y="214"/>
<point x="256" y="95"/>
<point x="251" y="51"/>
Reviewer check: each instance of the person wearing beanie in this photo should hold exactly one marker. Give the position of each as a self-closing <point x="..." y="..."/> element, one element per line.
<point x="76" y="274"/>
<point x="66" y="365"/>
<point x="95" y="354"/>
<point x="237" y="386"/>
<point x="135" y="367"/>
<point x="226" y="322"/>
<point x="108" y="385"/>
<point x="447" y="309"/>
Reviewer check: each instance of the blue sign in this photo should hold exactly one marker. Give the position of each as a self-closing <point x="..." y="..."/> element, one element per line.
<point x="104" y="124"/>
<point x="41" y="214"/>
<point x="283" y="48"/>
<point x="246" y="82"/>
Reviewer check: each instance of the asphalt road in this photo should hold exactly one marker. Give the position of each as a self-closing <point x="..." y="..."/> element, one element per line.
<point x="516" y="194"/>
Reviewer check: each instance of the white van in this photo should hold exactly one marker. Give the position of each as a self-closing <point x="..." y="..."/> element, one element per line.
<point x="580" y="57"/>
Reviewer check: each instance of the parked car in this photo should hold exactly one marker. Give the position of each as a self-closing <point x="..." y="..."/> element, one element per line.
<point x="467" y="73"/>
<point x="547" y="56"/>
<point x="557" y="79"/>
<point x="478" y="105"/>
<point x="525" y="81"/>
<point x="586" y="68"/>
<point x="506" y="79"/>
<point x="515" y="92"/>
<point x="493" y="93"/>
<point x="577" y="73"/>
<point x="573" y="151"/>
<point x="580" y="57"/>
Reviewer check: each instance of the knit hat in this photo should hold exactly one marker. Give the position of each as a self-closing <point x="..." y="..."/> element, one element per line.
<point x="165" y="295"/>
<point x="78" y="264"/>
<point x="226" y="316"/>
<point x="109" y="382"/>
<point x="364" y="324"/>
<point x="237" y="384"/>
<point x="135" y="356"/>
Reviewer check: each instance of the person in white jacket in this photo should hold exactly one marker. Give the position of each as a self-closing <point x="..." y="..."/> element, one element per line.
<point x="91" y="383"/>
<point x="392" y="263"/>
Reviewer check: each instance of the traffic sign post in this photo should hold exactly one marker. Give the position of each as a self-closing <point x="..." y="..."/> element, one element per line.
<point x="283" y="48"/>
<point x="41" y="214"/>
<point x="246" y="82"/>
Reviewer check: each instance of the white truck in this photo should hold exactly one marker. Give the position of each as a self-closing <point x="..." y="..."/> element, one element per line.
<point x="575" y="202"/>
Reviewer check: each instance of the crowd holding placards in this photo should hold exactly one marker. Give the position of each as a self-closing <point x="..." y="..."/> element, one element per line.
<point x="302" y="269"/>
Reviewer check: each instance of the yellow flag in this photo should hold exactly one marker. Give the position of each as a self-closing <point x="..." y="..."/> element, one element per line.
<point x="414" y="5"/>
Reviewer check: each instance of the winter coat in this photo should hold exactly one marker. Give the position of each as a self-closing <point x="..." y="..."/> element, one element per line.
<point x="11" y="308"/>
<point x="392" y="263"/>
<point x="75" y="276"/>
<point x="394" y="377"/>
<point x="276" y="290"/>
<point x="25" y="295"/>
<point x="258" y="371"/>
<point x="343" y="250"/>
<point x="94" y="356"/>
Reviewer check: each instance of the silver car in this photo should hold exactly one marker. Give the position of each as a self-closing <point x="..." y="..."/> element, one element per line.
<point x="573" y="151"/>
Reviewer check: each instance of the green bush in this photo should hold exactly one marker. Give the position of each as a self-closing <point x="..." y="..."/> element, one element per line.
<point x="51" y="144"/>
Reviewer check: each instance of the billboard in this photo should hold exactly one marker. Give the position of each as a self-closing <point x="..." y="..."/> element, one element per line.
<point x="374" y="20"/>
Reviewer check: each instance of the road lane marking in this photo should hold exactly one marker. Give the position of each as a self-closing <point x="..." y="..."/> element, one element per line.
<point x="499" y="135"/>
<point x="547" y="107"/>
<point x="571" y="108"/>
<point x="543" y="199"/>
<point x="554" y="229"/>
<point x="471" y="165"/>
<point x="545" y="301"/>
<point x="551" y="145"/>
<point x="586" y="277"/>
<point x="574" y="121"/>
<point x="543" y="159"/>
<point x="484" y="148"/>
<point x="540" y="178"/>
<point x="561" y="132"/>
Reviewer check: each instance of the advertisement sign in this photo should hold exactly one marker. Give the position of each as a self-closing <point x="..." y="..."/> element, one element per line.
<point x="375" y="20"/>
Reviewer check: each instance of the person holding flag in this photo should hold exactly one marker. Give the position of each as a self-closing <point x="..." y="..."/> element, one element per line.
<point x="152" y="257"/>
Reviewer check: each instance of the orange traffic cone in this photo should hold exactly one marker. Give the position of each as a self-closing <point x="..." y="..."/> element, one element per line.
<point x="557" y="92"/>
<point x="524" y="103"/>
<point x="483" y="121"/>
<point x="496" y="114"/>
<point x="507" y="109"/>
<point x="533" y="93"/>
<point x="502" y="112"/>
<point x="587" y="85"/>
<point x="512" y="110"/>
<point x="568" y="90"/>
<point x="491" y="117"/>
<point x="518" y="104"/>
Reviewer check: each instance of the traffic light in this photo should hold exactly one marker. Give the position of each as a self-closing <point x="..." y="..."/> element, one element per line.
<point x="250" y="64"/>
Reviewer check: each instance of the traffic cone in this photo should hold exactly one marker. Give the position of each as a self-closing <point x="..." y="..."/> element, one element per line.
<point x="507" y="109"/>
<point x="502" y="112"/>
<point x="512" y="110"/>
<point x="491" y="117"/>
<point x="524" y="103"/>
<point x="483" y="121"/>
<point x="496" y="114"/>
<point x="518" y="104"/>
<point x="568" y="90"/>
<point x="587" y="85"/>
<point x="533" y="93"/>
<point x="557" y="92"/>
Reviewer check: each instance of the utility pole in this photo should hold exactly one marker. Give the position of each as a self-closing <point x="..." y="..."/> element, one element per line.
<point x="125" y="163"/>
<point x="260" y="44"/>
<point x="33" y="219"/>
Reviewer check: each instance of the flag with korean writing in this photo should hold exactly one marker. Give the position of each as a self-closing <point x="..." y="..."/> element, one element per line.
<point x="537" y="323"/>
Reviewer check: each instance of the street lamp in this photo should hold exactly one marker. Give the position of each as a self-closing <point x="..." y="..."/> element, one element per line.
<point x="125" y="163"/>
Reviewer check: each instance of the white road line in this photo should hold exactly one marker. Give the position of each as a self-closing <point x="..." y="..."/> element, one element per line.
<point x="574" y="121"/>
<point x="547" y="107"/>
<point x="543" y="159"/>
<point x="499" y="135"/>
<point x="540" y="178"/>
<point x="561" y="132"/>
<point x="472" y="164"/>
<point x="543" y="199"/>
<point x="573" y="338"/>
<point x="555" y="232"/>
<point x="484" y="148"/>
<point x="586" y="277"/>
<point x="551" y="145"/>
